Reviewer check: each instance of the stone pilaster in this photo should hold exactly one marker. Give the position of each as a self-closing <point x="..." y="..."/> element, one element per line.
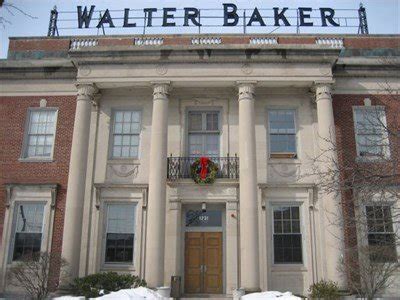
<point x="155" y="242"/>
<point x="249" y="248"/>
<point x="77" y="177"/>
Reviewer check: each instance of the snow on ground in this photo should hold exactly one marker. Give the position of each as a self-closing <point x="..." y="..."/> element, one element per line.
<point x="128" y="294"/>
<point x="271" y="295"/>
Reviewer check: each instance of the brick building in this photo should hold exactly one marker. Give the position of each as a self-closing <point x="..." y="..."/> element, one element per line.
<point x="100" y="135"/>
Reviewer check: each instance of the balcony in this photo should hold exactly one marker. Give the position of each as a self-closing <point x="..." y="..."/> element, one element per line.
<point x="179" y="167"/>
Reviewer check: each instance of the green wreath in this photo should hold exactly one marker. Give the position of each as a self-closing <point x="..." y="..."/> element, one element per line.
<point x="212" y="170"/>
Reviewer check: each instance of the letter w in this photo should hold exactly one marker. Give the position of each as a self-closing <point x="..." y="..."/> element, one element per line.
<point x="84" y="17"/>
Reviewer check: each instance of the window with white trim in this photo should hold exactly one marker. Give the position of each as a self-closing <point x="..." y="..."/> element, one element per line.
<point x="282" y="133"/>
<point x="381" y="235"/>
<point x="40" y="133"/>
<point x="28" y="230"/>
<point x="126" y="134"/>
<point x="287" y="235"/>
<point x="371" y="132"/>
<point x="204" y="133"/>
<point x="120" y="233"/>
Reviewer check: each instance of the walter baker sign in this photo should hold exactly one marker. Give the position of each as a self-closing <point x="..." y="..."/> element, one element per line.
<point x="228" y="15"/>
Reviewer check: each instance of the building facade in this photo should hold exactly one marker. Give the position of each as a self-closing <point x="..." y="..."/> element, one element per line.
<point x="100" y="137"/>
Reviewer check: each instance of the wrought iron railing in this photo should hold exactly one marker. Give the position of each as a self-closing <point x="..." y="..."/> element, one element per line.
<point x="179" y="167"/>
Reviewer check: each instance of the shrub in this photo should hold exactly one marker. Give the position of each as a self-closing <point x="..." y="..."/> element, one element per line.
<point x="91" y="285"/>
<point x="324" y="289"/>
<point x="32" y="273"/>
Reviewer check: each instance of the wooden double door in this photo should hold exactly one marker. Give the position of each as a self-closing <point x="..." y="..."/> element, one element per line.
<point x="203" y="262"/>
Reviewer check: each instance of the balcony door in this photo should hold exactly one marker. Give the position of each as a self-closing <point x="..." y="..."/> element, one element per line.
<point x="203" y="133"/>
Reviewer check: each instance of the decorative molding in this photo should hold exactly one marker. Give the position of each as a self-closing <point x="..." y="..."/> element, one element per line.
<point x="323" y="89"/>
<point x="206" y="41"/>
<point x="8" y="196"/>
<point x="76" y="44"/>
<point x="122" y="170"/>
<point x="85" y="70"/>
<point x="11" y="186"/>
<point x="247" y="69"/>
<point x="98" y="196"/>
<point x="148" y="41"/>
<point x="263" y="41"/>
<point x="175" y="205"/>
<point x="100" y="186"/>
<point x="161" y="90"/>
<point x="161" y="69"/>
<point x="86" y="91"/>
<point x="336" y="43"/>
<point x="144" y="195"/>
<point x="53" y="196"/>
<point x="43" y="102"/>
<point x="246" y="90"/>
<point x="232" y="205"/>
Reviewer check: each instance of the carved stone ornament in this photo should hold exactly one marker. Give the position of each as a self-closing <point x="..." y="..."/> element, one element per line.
<point x="161" y="69"/>
<point x="246" y="90"/>
<point x="86" y="91"/>
<point x="85" y="70"/>
<point x="323" y="91"/>
<point x="125" y="171"/>
<point x="161" y="90"/>
<point x="247" y="69"/>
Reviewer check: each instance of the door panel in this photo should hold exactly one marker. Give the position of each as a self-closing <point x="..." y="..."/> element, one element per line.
<point x="193" y="262"/>
<point x="213" y="262"/>
<point x="203" y="262"/>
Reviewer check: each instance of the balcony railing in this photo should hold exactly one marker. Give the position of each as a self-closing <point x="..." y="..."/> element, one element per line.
<point x="179" y="167"/>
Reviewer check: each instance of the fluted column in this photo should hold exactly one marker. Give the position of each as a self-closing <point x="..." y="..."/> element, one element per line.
<point x="154" y="272"/>
<point x="332" y="231"/>
<point x="249" y="248"/>
<point x="77" y="177"/>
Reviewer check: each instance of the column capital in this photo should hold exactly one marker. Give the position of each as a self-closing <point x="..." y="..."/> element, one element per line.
<point x="323" y="89"/>
<point x="161" y="88"/>
<point x="246" y="89"/>
<point x="87" y="90"/>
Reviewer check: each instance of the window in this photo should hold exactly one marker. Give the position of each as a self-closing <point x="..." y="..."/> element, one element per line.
<point x="120" y="233"/>
<point x="371" y="133"/>
<point x="126" y="131"/>
<point x="28" y="229"/>
<point x="40" y="133"/>
<point x="282" y="133"/>
<point x="287" y="235"/>
<point x="204" y="133"/>
<point x="381" y="237"/>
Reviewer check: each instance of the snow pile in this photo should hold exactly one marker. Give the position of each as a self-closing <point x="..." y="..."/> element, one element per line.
<point x="128" y="294"/>
<point x="271" y="295"/>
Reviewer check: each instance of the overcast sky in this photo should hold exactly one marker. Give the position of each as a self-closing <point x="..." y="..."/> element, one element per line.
<point x="383" y="16"/>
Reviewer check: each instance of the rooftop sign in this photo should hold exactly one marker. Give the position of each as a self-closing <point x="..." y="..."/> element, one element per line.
<point x="228" y="16"/>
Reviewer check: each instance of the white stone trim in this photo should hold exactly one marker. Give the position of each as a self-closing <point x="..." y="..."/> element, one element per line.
<point x="206" y="41"/>
<point x="263" y="41"/>
<point x="21" y="193"/>
<point x="148" y="41"/>
<point x="331" y="42"/>
<point x="79" y="43"/>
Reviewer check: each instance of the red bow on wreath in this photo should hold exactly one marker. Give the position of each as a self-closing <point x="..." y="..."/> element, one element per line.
<point x="204" y="167"/>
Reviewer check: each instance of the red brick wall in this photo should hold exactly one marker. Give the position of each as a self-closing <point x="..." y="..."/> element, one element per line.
<point x="13" y="113"/>
<point x="346" y="145"/>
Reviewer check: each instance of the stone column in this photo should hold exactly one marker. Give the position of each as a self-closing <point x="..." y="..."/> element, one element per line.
<point x="249" y="250"/>
<point x="71" y="246"/>
<point x="331" y="206"/>
<point x="154" y="272"/>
